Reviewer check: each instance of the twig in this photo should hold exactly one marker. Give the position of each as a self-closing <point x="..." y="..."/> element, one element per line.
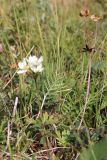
<point x="8" y="134"/>
<point x="43" y="102"/>
<point x="15" y="106"/>
<point x="9" y="80"/>
<point x="77" y="156"/>
<point x="30" y="51"/>
<point x="52" y="149"/>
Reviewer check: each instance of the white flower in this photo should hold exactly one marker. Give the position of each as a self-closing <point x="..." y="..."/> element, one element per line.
<point x="35" y="63"/>
<point x="23" y="67"/>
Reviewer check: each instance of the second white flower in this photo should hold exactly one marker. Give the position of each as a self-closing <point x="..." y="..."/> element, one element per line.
<point x="35" y="63"/>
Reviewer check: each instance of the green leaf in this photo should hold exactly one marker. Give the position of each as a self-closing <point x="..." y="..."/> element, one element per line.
<point x="96" y="151"/>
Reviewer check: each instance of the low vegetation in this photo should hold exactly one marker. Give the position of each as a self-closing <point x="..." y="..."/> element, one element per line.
<point x="53" y="80"/>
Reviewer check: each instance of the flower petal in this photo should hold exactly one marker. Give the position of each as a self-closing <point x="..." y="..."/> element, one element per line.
<point x="40" y="60"/>
<point x="39" y="68"/>
<point x="33" y="68"/>
<point x="22" y="64"/>
<point x="32" y="60"/>
<point x="21" y="71"/>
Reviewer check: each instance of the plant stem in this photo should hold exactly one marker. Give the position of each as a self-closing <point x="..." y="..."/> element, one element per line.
<point x="88" y="89"/>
